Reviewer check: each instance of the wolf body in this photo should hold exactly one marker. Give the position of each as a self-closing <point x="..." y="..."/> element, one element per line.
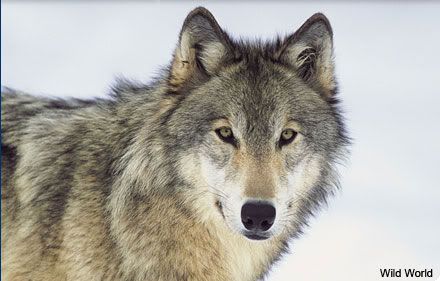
<point x="205" y="174"/>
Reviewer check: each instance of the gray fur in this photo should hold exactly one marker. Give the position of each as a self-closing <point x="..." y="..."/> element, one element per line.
<point x="94" y="190"/>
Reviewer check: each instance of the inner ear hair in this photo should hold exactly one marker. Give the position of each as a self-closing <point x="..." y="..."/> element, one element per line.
<point x="306" y="63"/>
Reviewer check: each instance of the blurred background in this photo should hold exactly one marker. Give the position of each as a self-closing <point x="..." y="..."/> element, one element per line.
<point x="388" y="65"/>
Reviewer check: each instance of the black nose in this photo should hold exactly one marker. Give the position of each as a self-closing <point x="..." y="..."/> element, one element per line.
<point x="258" y="216"/>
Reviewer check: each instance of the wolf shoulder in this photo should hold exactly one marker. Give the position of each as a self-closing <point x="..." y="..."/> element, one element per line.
<point x="43" y="136"/>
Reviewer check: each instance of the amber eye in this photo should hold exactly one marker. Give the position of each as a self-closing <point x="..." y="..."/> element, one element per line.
<point x="226" y="135"/>
<point x="225" y="132"/>
<point x="287" y="136"/>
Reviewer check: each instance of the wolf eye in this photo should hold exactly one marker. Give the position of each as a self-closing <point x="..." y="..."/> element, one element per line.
<point x="226" y="135"/>
<point x="287" y="136"/>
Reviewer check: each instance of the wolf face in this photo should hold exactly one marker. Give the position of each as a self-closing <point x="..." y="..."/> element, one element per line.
<point x="257" y="129"/>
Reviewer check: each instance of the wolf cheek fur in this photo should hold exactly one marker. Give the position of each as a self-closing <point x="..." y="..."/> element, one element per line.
<point x="177" y="180"/>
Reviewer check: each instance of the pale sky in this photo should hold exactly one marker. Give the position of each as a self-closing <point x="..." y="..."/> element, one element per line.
<point x="388" y="66"/>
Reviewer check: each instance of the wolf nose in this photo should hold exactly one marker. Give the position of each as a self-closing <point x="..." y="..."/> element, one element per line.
<point x="258" y="216"/>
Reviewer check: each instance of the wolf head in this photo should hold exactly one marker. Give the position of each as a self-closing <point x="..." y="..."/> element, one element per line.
<point x="255" y="127"/>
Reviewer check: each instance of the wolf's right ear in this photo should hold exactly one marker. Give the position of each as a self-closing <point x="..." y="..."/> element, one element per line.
<point x="202" y="48"/>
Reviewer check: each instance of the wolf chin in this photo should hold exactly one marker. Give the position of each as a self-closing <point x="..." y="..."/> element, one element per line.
<point x="204" y="174"/>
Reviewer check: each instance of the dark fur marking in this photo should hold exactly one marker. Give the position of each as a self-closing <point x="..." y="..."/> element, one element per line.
<point x="9" y="160"/>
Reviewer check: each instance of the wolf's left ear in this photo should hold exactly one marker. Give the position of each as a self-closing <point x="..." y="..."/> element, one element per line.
<point x="202" y="48"/>
<point x="310" y="52"/>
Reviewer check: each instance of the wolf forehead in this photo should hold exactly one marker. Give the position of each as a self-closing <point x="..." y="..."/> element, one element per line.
<point x="254" y="99"/>
<point x="257" y="97"/>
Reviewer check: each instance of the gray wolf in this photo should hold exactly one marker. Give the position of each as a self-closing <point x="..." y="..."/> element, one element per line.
<point x="204" y="174"/>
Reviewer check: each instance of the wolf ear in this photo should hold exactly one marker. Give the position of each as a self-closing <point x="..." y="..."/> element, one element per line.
<point x="310" y="52"/>
<point x="201" y="49"/>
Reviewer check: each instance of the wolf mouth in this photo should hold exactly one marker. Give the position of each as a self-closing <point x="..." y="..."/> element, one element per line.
<point x="254" y="236"/>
